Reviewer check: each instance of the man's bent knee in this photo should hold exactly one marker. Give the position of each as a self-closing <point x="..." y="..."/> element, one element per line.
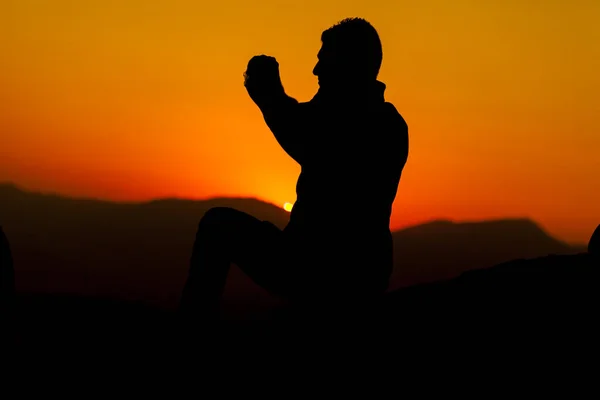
<point x="219" y="219"/>
<point x="216" y="215"/>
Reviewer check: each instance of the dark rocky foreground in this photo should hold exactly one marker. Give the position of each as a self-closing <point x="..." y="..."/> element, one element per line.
<point x="551" y="300"/>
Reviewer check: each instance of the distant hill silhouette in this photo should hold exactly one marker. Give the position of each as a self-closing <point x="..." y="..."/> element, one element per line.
<point x="444" y="249"/>
<point x="140" y="251"/>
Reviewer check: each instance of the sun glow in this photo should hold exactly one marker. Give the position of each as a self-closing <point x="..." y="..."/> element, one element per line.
<point x="86" y="82"/>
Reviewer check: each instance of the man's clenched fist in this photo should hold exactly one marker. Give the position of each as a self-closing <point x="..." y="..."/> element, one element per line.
<point x="261" y="79"/>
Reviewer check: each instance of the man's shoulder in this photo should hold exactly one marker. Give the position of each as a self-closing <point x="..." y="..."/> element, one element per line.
<point x="396" y="130"/>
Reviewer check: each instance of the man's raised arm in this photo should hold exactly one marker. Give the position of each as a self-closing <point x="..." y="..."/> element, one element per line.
<point x="284" y="116"/>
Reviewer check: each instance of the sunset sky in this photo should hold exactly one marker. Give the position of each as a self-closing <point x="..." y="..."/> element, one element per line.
<point x="139" y="99"/>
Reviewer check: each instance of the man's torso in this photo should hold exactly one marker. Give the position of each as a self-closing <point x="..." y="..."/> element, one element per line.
<point x="347" y="186"/>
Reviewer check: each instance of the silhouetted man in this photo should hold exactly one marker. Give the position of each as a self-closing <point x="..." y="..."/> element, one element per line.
<point x="352" y="146"/>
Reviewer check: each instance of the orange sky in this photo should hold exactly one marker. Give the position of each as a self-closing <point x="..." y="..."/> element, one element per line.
<point x="132" y="100"/>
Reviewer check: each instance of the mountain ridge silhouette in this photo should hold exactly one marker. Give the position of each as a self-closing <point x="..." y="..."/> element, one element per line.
<point x="140" y="250"/>
<point x="11" y="189"/>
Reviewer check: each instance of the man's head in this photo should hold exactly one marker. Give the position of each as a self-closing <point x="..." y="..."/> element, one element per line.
<point x="351" y="52"/>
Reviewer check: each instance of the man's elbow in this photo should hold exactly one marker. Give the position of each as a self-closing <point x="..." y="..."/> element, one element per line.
<point x="293" y="150"/>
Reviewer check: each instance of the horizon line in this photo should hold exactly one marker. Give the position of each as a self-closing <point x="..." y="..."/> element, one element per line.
<point x="21" y="188"/>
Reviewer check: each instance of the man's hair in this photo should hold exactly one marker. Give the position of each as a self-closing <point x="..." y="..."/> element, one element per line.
<point x="355" y="40"/>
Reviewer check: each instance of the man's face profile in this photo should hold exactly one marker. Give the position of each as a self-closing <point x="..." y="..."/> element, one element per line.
<point x="334" y="68"/>
<point x="327" y="69"/>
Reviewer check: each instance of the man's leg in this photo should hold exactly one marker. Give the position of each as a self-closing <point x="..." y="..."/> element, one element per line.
<point x="224" y="236"/>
